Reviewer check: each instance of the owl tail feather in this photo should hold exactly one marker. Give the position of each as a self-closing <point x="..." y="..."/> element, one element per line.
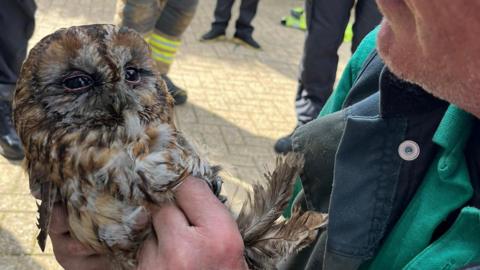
<point x="268" y="239"/>
<point x="48" y="195"/>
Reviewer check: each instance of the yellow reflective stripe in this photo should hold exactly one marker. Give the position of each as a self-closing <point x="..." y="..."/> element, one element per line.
<point x="164" y="43"/>
<point x="163" y="59"/>
<point x="162" y="56"/>
<point x="162" y="52"/>
<point x="159" y="38"/>
<point x="162" y="46"/>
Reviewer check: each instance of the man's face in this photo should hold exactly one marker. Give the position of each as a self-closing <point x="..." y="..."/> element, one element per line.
<point x="436" y="44"/>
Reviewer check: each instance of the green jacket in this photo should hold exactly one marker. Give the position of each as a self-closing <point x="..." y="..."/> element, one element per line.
<point x="445" y="188"/>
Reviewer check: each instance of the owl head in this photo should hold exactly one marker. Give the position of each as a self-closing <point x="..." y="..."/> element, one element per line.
<point x="86" y="78"/>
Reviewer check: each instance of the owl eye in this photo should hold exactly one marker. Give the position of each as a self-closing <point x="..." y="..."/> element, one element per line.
<point x="77" y="82"/>
<point x="132" y="75"/>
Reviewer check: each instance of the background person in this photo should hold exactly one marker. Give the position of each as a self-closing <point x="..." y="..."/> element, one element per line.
<point x="244" y="28"/>
<point x="326" y="24"/>
<point x="17" y="21"/>
<point x="162" y="22"/>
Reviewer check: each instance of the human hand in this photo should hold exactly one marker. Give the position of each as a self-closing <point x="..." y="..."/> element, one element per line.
<point x="69" y="252"/>
<point x="197" y="232"/>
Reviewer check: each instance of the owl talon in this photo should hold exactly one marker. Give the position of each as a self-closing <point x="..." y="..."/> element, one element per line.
<point x="176" y="186"/>
<point x="216" y="187"/>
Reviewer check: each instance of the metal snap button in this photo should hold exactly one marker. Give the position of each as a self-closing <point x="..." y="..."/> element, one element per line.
<point x="409" y="150"/>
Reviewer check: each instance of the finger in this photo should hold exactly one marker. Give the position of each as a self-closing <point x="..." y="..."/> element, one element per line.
<point x="59" y="219"/>
<point x="167" y="218"/>
<point x="200" y="205"/>
<point x="146" y="252"/>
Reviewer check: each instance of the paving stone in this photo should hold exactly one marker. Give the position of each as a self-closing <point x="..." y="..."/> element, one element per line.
<point x="229" y="161"/>
<point x="215" y="143"/>
<point x="17" y="233"/>
<point x="46" y="262"/>
<point x="25" y="262"/>
<point x="17" y="203"/>
<point x="249" y="174"/>
<point x="11" y="177"/>
<point x="232" y="135"/>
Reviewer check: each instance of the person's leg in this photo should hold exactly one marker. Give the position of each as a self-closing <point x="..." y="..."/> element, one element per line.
<point x="17" y="24"/>
<point x="139" y="15"/>
<point x="165" y="40"/>
<point x="222" y="15"/>
<point x="326" y="23"/>
<point x="243" y="34"/>
<point x="367" y="17"/>
<point x="248" y="9"/>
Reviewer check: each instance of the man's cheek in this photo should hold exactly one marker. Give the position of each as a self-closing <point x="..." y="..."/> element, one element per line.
<point x="403" y="59"/>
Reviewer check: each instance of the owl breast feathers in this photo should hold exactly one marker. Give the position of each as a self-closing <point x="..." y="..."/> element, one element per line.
<point x="96" y="123"/>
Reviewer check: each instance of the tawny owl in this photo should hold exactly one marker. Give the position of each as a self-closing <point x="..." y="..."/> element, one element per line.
<point x="96" y="123"/>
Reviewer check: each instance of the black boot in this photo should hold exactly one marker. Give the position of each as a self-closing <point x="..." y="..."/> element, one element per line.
<point x="10" y="145"/>
<point x="213" y="35"/>
<point x="246" y="39"/>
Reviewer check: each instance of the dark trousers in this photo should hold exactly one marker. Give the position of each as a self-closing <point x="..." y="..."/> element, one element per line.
<point x="17" y="24"/>
<point x="326" y="22"/>
<point x="223" y="13"/>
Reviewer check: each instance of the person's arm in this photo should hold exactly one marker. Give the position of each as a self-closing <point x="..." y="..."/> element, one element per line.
<point x="196" y="232"/>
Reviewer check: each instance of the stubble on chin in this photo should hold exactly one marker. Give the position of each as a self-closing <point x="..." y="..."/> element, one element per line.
<point x="437" y="76"/>
<point x="395" y="52"/>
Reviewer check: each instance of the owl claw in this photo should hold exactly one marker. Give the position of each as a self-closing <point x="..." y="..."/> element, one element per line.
<point x="216" y="187"/>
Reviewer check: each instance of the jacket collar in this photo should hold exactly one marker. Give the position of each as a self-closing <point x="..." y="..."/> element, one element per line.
<point x="399" y="98"/>
<point x="454" y="129"/>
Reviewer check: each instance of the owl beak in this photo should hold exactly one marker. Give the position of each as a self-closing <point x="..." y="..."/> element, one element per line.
<point x="115" y="108"/>
<point x="118" y="101"/>
<point x="118" y="107"/>
<point x="118" y="97"/>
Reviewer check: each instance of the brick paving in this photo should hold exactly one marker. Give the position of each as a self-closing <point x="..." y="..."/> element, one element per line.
<point x="240" y="102"/>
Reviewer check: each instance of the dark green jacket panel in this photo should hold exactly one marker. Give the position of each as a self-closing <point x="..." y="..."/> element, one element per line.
<point x="319" y="175"/>
<point x="371" y="183"/>
<point x="319" y="139"/>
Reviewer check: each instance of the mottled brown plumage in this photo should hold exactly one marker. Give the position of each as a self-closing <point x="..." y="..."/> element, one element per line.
<point x="96" y="123"/>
